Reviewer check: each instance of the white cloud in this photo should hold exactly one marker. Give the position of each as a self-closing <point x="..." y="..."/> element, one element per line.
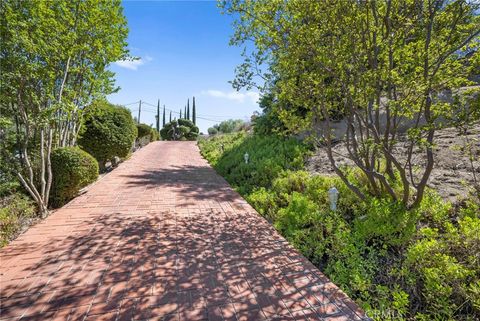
<point x="133" y="64"/>
<point x="233" y="95"/>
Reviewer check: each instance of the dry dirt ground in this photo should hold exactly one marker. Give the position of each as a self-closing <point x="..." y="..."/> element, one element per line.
<point x="453" y="173"/>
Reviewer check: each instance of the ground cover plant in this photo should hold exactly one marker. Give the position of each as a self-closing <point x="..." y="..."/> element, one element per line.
<point x="267" y="157"/>
<point x="397" y="263"/>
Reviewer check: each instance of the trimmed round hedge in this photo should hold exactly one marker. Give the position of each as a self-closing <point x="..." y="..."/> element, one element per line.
<point x="72" y="170"/>
<point x="144" y="130"/>
<point x="181" y="129"/>
<point x="108" y="131"/>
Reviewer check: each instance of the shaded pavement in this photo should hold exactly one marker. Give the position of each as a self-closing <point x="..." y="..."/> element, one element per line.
<point x="162" y="237"/>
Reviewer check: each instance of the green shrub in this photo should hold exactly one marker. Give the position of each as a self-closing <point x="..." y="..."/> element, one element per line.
<point x="145" y="135"/>
<point x="398" y="264"/>
<point x="301" y="224"/>
<point x="184" y="130"/>
<point x="16" y="210"/>
<point x="265" y="202"/>
<point x="215" y="147"/>
<point x="72" y="170"/>
<point x="268" y="122"/>
<point x="181" y="129"/>
<point x="155" y="135"/>
<point x="8" y="184"/>
<point x="445" y="268"/>
<point x="289" y="182"/>
<point x="386" y="223"/>
<point x="471" y="207"/>
<point x="108" y="131"/>
<point x="229" y="126"/>
<point x="143" y="130"/>
<point x="268" y="157"/>
<point x="212" y="131"/>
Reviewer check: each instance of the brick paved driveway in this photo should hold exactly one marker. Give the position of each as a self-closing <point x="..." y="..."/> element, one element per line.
<point x="162" y="237"/>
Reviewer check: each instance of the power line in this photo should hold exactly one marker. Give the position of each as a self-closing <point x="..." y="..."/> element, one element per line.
<point x="203" y="115"/>
<point x="216" y="116"/>
<point x="176" y="112"/>
<point x="136" y="102"/>
<point x="144" y="106"/>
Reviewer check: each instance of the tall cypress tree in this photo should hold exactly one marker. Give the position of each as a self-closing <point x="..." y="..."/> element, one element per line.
<point x="158" y="115"/>
<point x="170" y="116"/>
<point x="194" y="112"/>
<point x="188" y="108"/>
<point x="163" y="124"/>
<point x="180" y="114"/>
<point x="185" y="112"/>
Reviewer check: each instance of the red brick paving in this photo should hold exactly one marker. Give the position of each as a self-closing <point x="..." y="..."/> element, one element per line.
<point x="162" y="237"/>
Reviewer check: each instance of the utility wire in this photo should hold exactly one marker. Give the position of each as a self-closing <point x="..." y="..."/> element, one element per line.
<point x="205" y="115"/>
<point x="136" y="102"/>
<point x="199" y="116"/>
<point x="176" y="112"/>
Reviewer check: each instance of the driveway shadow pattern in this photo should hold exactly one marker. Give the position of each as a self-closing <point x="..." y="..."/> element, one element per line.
<point x="162" y="237"/>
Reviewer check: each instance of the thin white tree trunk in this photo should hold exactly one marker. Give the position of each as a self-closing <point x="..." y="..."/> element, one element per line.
<point x="42" y="160"/>
<point x="49" y="166"/>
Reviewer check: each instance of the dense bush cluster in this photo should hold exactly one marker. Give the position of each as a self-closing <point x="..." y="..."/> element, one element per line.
<point x="227" y="127"/>
<point x="145" y="135"/>
<point x="72" y="169"/>
<point x="143" y="130"/>
<point x="397" y="264"/>
<point x="108" y="131"/>
<point x="268" y="156"/>
<point x="16" y="209"/>
<point x="181" y="129"/>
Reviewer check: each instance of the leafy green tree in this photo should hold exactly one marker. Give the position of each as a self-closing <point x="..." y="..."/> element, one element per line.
<point x="364" y="61"/>
<point x="53" y="60"/>
<point x="229" y="126"/>
<point x="108" y="131"/>
<point x="268" y="122"/>
<point x="212" y="131"/>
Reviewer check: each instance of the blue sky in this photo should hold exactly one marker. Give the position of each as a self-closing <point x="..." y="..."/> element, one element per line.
<point x="184" y="52"/>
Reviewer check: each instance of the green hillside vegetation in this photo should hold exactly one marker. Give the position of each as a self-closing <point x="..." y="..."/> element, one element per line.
<point x="398" y="264"/>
